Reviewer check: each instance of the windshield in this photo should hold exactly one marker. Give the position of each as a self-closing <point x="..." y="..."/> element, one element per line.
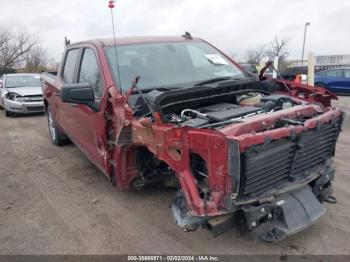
<point x="22" y="81"/>
<point x="169" y="64"/>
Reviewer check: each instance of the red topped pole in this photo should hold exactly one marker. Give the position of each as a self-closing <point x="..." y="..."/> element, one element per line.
<point x="111" y="4"/>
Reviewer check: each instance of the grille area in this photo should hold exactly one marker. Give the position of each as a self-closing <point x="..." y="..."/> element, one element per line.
<point x="33" y="98"/>
<point x="266" y="166"/>
<point x="35" y="108"/>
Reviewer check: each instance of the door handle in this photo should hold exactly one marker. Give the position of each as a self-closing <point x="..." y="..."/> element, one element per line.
<point x="57" y="93"/>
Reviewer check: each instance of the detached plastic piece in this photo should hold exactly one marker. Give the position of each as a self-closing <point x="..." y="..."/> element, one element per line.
<point x="291" y="213"/>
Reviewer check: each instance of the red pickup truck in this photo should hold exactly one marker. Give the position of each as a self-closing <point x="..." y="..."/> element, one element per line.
<point x="242" y="150"/>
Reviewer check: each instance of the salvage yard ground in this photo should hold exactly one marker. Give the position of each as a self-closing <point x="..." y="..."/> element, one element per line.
<point x="54" y="201"/>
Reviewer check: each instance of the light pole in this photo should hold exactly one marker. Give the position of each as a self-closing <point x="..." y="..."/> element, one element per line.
<point x="302" y="54"/>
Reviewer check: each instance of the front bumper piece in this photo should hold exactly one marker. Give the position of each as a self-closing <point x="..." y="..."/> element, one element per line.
<point x="287" y="215"/>
<point x="24" y="107"/>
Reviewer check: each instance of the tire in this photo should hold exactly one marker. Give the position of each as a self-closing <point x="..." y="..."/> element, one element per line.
<point x="57" y="137"/>
<point x="8" y="113"/>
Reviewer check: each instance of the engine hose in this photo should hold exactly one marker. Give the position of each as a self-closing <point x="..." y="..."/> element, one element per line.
<point x="199" y="115"/>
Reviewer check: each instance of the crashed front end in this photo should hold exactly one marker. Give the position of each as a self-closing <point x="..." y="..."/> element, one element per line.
<point x="247" y="154"/>
<point x="284" y="174"/>
<point x="279" y="177"/>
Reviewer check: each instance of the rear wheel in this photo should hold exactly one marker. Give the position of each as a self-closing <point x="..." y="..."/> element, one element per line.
<point x="57" y="137"/>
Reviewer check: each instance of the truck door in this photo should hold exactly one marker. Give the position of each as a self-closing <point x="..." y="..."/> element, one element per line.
<point x="85" y="125"/>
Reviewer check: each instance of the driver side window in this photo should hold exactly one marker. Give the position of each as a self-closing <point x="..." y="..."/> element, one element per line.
<point x="90" y="73"/>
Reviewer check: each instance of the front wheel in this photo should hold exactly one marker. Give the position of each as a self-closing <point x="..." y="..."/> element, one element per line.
<point x="57" y="137"/>
<point x="8" y="113"/>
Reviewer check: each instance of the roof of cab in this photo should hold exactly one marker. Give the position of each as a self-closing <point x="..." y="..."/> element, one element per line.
<point x="135" y="40"/>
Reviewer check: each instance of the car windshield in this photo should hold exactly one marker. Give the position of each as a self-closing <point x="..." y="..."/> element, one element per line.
<point x="22" y="81"/>
<point x="175" y="64"/>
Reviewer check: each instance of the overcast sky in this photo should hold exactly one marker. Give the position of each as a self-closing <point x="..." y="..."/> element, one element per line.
<point x="232" y="25"/>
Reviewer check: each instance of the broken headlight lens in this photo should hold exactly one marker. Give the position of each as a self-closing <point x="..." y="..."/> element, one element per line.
<point x="15" y="97"/>
<point x="12" y="96"/>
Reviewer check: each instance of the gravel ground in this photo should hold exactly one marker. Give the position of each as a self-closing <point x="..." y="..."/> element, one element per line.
<point x="54" y="201"/>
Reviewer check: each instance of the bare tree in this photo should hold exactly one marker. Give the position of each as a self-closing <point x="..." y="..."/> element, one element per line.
<point x="14" y="47"/>
<point x="254" y="56"/>
<point x="53" y="65"/>
<point x="36" y="59"/>
<point x="4" y="38"/>
<point x="278" y="47"/>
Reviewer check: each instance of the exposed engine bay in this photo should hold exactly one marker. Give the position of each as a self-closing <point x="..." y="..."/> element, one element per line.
<point x="246" y="106"/>
<point x="207" y="107"/>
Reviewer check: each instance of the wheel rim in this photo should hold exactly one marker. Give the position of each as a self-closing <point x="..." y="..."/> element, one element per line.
<point x="52" y="126"/>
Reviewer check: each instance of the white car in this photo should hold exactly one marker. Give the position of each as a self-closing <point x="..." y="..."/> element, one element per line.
<point x="21" y="94"/>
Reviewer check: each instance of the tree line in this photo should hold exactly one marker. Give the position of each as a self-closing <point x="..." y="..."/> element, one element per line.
<point x="19" y="49"/>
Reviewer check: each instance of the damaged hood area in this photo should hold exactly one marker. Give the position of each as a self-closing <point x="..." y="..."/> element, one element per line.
<point x="237" y="108"/>
<point x="26" y="91"/>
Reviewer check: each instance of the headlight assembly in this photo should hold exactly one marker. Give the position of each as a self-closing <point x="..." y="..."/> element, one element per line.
<point x="15" y="97"/>
<point x="12" y="96"/>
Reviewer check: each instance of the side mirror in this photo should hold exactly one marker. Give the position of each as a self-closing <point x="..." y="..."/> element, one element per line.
<point x="81" y="93"/>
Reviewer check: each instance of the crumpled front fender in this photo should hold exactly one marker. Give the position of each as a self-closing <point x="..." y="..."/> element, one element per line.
<point x="175" y="145"/>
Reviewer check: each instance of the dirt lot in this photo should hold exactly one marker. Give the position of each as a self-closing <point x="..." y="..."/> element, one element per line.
<point x="53" y="201"/>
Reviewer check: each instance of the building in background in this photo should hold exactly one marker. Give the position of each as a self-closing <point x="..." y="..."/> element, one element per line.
<point x="322" y="63"/>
